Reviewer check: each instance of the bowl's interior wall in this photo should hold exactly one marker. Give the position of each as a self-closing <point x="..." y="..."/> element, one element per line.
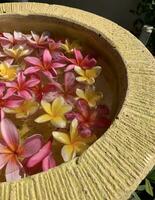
<point x="113" y="81"/>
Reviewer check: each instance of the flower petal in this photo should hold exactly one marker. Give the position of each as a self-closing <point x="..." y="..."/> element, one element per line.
<point x="79" y="71"/>
<point x="33" y="82"/>
<point x="59" y="122"/>
<point x="25" y="94"/>
<point x="47" y="58"/>
<point x="83" y="107"/>
<point x="13" y="170"/>
<point x="78" y="55"/>
<point x="61" y="137"/>
<point x="31" y="70"/>
<point x="48" y="162"/>
<point x="33" y="61"/>
<point x="32" y="145"/>
<point x="9" y="134"/>
<point x="38" y="157"/>
<point x="43" y="118"/>
<point x="73" y="130"/>
<point x="46" y="106"/>
<point x="4" y="158"/>
<point x="68" y="152"/>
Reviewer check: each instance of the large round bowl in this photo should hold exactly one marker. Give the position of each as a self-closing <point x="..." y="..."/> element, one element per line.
<point x="115" y="164"/>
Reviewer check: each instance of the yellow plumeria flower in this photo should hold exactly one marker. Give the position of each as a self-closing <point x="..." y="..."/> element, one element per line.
<point x="90" y="95"/>
<point x="55" y="112"/>
<point x="69" y="46"/>
<point x="87" y="76"/>
<point x="17" y="52"/>
<point x="8" y="72"/>
<point x="27" y="108"/>
<point x="73" y="143"/>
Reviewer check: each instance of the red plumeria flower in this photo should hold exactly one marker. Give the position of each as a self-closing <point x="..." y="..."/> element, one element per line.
<point x="41" y="91"/>
<point x="38" y="41"/>
<point x="89" y="119"/>
<point x="12" y="152"/>
<point x="7" y="100"/>
<point x="22" y="87"/>
<point x="8" y="39"/>
<point x="80" y="61"/>
<point x="46" y="65"/>
<point x="41" y="161"/>
<point x="67" y="90"/>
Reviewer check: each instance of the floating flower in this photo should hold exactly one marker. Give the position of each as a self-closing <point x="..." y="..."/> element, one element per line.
<point x="12" y="152"/>
<point x="55" y="112"/>
<point x="27" y="108"/>
<point x="7" y="101"/>
<point x="54" y="48"/>
<point x="46" y="65"/>
<point x="22" y="86"/>
<point x="38" y="41"/>
<point x="69" y="47"/>
<point x="7" y="71"/>
<point x="17" y="52"/>
<point x="42" y="160"/>
<point x="73" y="143"/>
<point x="89" y="119"/>
<point x="90" y="95"/>
<point x="80" y="61"/>
<point x="67" y="90"/>
<point x="8" y="39"/>
<point x="87" y="76"/>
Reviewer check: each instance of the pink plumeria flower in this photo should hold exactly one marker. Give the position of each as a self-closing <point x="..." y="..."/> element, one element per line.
<point x="55" y="49"/>
<point x="8" y="39"/>
<point x="80" y="61"/>
<point x="89" y="118"/>
<point x="46" y="65"/>
<point x="67" y="90"/>
<point x="7" y="101"/>
<point x="12" y="152"/>
<point x="38" y="41"/>
<point x="22" y="87"/>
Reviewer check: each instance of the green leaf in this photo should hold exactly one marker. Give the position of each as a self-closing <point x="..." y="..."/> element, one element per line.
<point x="141" y="188"/>
<point x="136" y="197"/>
<point x="151" y="175"/>
<point x="148" y="187"/>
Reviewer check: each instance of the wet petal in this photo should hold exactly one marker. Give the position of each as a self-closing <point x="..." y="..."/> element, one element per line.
<point x="9" y="134"/>
<point x="31" y="70"/>
<point x="68" y="152"/>
<point x="59" y="122"/>
<point x="38" y="157"/>
<point x="32" y="145"/>
<point x="43" y="118"/>
<point x="33" y="61"/>
<point x="83" y="107"/>
<point x="47" y="58"/>
<point x="79" y="71"/>
<point x="46" y="106"/>
<point x="33" y="82"/>
<point x="48" y="162"/>
<point x="69" y="80"/>
<point x="25" y="94"/>
<point x="78" y="55"/>
<point x="13" y="170"/>
<point x="61" y="137"/>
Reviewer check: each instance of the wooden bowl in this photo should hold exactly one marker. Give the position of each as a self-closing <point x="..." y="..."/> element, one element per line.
<point x="115" y="164"/>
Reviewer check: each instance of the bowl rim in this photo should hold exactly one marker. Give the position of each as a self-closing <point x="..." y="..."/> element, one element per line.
<point x="115" y="164"/>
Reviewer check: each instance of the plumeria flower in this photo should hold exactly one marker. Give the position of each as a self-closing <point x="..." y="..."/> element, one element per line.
<point x="42" y="160"/>
<point x="38" y="41"/>
<point x="69" y="47"/>
<point x="87" y="76"/>
<point x="55" y="112"/>
<point x="7" y="101"/>
<point x="7" y="71"/>
<point x="26" y="109"/>
<point x="89" y="119"/>
<point x="80" y="61"/>
<point x="90" y="95"/>
<point x="54" y="48"/>
<point x="17" y="52"/>
<point x="74" y="144"/>
<point x="12" y="152"/>
<point x="8" y="39"/>
<point x="67" y="90"/>
<point x="46" y="65"/>
<point x="22" y="86"/>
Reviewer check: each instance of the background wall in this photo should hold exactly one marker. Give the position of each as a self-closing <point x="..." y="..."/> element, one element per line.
<point x="116" y="10"/>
